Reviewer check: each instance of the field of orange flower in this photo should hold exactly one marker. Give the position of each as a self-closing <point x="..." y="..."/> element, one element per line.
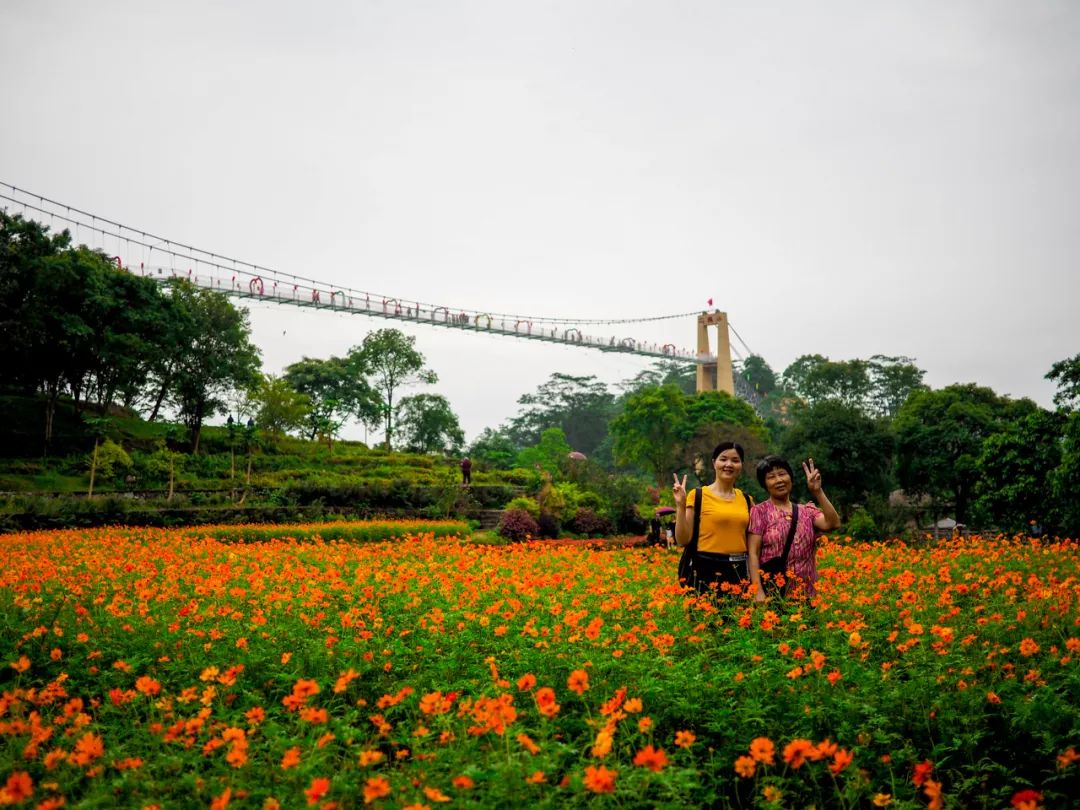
<point x="149" y="668"/>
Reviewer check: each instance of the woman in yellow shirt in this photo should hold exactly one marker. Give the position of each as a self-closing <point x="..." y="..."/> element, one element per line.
<point x="720" y="557"/>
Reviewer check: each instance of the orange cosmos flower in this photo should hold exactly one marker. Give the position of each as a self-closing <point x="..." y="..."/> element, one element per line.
<point x="436" y="795"/>
<point x="932" y="790"/>
<point x="600" y="779"/>
<point x="526" y="682"/>
<point x="922" y="772"/>
<point x="89" y="747"/>
<point x="644" y="724"/>
<point x="652" y="758"/>
<point x="797" y="752"/>
<point x="1027" y="800"/>
<point x="304" y="687"/>
<point x="602" y="747"/>
<point x="882" y="799"/>
<point x="19" y="787"/>
<point x="342" y="683"/>
<point x="255" y="715"/>
<point x="370" y="758"/>
<point x="841" y="759"/>
<point x="1028" y="647"/>
<point x="633" y="706"/>
<point x="545" y="701"/>
<point x="992" y="697"/>
<point x="21" y="665"/>
<point x="148" y="686"/>
<point x="578" y="681"/>
<point x="536" y="778"/>
<point x="772" y="793"/>
<point x="318" y="788"/>
<point x="526" y="742"/>
<point x="291" y="758"/>
<point x="462" y="782"/>
<point x="221" y="802"/>
<point x="1067" y="758"/>
<point x="684" y="739"/>
<point x="375" y="788"/>
<point x="745" y="767"/>
<point x="762" y="750"/>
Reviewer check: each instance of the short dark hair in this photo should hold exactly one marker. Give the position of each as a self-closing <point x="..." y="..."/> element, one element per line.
<point x="770" y="463"/>
<point x="720" y="448"/>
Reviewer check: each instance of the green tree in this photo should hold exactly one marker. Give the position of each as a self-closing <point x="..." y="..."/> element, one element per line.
<point x="893" y="380"/>
<point x="336" y="391"/>
<point x="650" y="429"/>
<point x="427" y="424"/>
<point x="940" y="437"/>
<point x="853" y="451"/>
<point x="549" y="454"/>
<point x="494" y="448"/>
<point x="758" y="374"/>
<point x="1015" y="471"/>
<point x="215" y="355"/>
<point x="663" y="372"/>
<point x="24" y="247"/>
<point x="390" y="357"/>
<point x="581" y="407"/>
<point x="1066" y="373"/>
<point x="280" y="407"/>
<point x="1065" y="480"/>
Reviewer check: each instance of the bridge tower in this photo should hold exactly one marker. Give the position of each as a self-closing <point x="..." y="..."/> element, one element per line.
<point x="716" y="376"/>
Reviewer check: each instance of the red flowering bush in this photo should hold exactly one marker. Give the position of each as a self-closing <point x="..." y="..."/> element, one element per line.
<point x="590" y="524"/>
<point x="518" y="525"/>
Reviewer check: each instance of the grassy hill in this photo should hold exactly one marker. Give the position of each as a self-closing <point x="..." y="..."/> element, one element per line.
<point x="144" y="474"/>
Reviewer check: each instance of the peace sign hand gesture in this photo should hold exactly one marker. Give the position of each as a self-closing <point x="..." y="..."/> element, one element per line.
<point x="813" y="477"/>
<point x="679" y="490"/>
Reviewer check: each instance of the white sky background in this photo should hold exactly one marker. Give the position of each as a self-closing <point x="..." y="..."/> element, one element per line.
<point x="843" y="178"/>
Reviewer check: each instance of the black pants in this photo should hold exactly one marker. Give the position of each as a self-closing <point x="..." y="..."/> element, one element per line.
<point x="718" y="568"/>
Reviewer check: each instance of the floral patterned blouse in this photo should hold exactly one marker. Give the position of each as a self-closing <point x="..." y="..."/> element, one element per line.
<point x="771" y="522"/>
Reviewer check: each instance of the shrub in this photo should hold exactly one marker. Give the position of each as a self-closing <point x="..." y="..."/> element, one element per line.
<point x="861" y="525"/>
<point x="549" y="525"/>
<point x="525" y="505"/>
<point x="518" y="525"/>
<point x="112" y="461"/>
<point x="587" y="522"/>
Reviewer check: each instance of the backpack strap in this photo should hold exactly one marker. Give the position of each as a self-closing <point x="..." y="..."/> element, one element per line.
<point x="697" y="522"/>
<point x="791" y="533"/>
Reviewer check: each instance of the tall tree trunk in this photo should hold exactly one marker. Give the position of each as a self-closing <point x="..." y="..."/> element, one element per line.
<point x="160" y="398"/>
<point x="93" y="470"/>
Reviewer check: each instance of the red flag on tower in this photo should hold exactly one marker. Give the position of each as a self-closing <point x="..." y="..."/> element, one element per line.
<point x="710" y="302"/>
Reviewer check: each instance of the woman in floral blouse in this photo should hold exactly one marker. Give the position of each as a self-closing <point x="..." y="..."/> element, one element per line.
<point x="770" y="521"/>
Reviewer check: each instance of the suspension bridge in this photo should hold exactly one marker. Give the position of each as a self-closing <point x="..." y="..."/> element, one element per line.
<point x="165" y="261"/>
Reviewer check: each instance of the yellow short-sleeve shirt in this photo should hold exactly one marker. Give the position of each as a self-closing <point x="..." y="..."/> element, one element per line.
<point x="723" y="522"/>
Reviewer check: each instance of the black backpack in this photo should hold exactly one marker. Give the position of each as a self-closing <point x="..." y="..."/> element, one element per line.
<point x="686" y="561"/>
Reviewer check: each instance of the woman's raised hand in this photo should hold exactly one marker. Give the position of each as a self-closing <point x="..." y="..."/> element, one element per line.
<point x="679" y="490"/>
<point x="813" y="476"/>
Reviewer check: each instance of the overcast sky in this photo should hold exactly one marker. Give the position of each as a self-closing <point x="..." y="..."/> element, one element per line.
<point x="843" y="178"/>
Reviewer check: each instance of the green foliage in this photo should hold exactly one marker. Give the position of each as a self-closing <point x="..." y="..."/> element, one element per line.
<point x="390" y="357"/>
<point x="1066" y="373"/>
<point x="281" y="408"/>
<point x="758" y="375"/>
<point x="214" y="354"/>
<point x="495" y="449"/>
<point x="336" y="391"/>
<point x="940" y="437"/>
<point x="427" y="424"/>
<point x="1015" y="465"/>
<point x="523" y="504"/>
<point x="650" y="428"/>
<point x="853" y="451"/>
<point x="1065" y="480"/>
<point x="862" y="526"/>
<point x="549" y="454"/>
<point x="113" y="462"/>
<point x="878" y="386"/>
<point x="580" y="407"/>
